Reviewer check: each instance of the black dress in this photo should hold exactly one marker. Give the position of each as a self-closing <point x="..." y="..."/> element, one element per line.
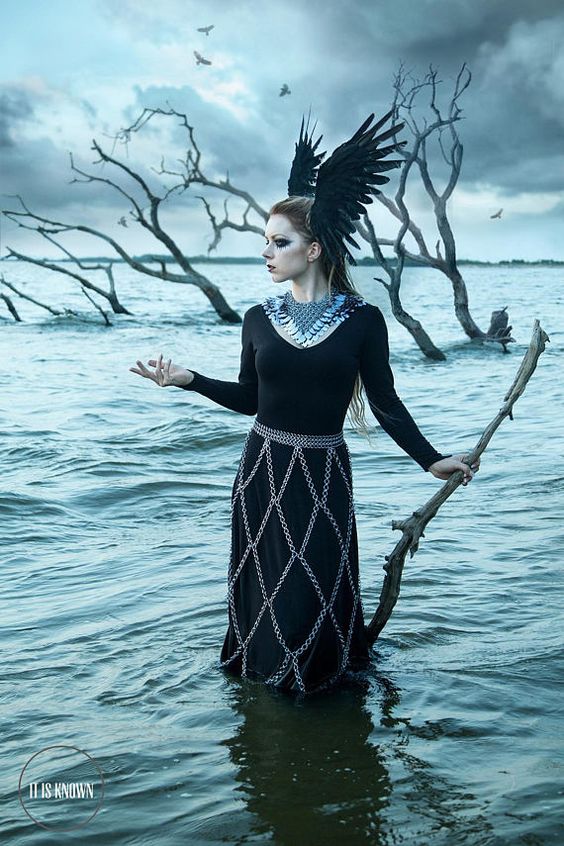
<point x="296" y="618"/>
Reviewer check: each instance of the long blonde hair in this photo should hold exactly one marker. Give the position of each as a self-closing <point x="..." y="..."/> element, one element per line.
<point x="297" y="210"/>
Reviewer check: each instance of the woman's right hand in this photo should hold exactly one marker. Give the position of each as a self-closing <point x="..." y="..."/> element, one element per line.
<point x="165" y="373"/>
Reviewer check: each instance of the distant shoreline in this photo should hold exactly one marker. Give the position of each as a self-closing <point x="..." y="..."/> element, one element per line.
<point x="363" y="262"/>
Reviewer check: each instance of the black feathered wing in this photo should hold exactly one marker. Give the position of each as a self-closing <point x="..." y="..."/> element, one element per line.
<point x="346" y="181"/>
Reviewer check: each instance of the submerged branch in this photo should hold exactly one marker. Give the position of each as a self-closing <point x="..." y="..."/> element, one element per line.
<point x="11" y="307"/>
<point x="33" y="300"/>
<point x="95" y="304"/>
<point x="412" y="528"/>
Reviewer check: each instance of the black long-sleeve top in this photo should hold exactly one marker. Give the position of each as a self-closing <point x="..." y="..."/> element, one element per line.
<point x="308" y="390"/>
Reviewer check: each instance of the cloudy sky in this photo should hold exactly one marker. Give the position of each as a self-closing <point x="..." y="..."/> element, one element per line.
<point x="71" y="72"/>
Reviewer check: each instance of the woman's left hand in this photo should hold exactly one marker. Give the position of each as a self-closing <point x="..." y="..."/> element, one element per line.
<point x="446" y="466"/>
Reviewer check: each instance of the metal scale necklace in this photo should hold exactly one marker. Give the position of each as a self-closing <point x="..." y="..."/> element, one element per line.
<point x="307" y="322"/>
<point x="306" y="314"/>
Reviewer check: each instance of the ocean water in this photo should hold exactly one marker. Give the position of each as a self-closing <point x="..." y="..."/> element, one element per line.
<point x="114" y="510"/>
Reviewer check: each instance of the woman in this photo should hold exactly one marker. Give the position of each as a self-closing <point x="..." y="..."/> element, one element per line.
<point x="296" y="619"/>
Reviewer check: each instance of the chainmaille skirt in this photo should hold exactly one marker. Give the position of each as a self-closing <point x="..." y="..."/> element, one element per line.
<point x="296" y="618"/>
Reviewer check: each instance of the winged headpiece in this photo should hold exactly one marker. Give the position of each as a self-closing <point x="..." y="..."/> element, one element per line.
<point x="342" y="185"/>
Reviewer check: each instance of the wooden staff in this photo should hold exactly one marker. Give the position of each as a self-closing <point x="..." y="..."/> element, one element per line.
<point x="413" y="527"/>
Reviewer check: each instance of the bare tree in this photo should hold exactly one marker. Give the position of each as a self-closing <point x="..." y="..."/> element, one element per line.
<point x="147" y="216"/>
<point x="443" y="128"/>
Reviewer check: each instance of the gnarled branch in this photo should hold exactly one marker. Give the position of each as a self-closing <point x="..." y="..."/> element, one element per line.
<point x="412" y="528"/>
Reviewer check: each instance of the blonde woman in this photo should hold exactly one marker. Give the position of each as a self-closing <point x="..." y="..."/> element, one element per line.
<point x="296" y="619"/>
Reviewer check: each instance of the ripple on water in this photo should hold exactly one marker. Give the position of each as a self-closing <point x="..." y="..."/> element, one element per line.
<point x="115" y="527"/>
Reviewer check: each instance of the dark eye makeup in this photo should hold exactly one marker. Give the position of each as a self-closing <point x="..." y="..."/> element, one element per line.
<point x="279" y="242"/>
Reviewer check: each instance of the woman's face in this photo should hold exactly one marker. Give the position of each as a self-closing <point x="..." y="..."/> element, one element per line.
<point x="286" y="251"/>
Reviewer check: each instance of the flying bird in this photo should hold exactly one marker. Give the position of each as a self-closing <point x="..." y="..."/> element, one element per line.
<point x="122" y="221"/>
<point x="200" y="59"/>
<point x="284" y="90"/>
<point x="496" y="215"/>
<point x="206" y="29"/>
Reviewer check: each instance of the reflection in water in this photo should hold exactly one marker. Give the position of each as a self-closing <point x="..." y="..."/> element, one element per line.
<point x="310" y="773"/>
<point x="305" y="768"/>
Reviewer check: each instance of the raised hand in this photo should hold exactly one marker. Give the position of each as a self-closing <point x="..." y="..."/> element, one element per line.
<point x="165" y="373"/>
<point x="446" y="466"/>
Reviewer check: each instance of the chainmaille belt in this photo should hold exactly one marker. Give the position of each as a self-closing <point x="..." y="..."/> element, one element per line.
<point x="296" y="439"/>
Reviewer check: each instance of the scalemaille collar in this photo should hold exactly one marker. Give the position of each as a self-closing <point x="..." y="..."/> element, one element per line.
<point x="340" y="306"/>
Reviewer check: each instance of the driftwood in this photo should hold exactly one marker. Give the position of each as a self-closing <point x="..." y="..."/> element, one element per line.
<point x="499" y="329"/>
<point x="412" y="527"/>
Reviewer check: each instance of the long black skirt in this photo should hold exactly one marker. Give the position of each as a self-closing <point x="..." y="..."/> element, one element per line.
<point x="296" y="618"/>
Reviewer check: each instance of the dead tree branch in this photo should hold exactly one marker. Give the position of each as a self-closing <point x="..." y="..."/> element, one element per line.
<point x="48" y="230"/>
<point x="191" y="173"/>
<point x="95" y="304"/>
<point x="145" y="212"/>
<point x="11" y="307"/>
<point x="31" y="299"/>
<point x="412" y="528"/>
<point x="227" y="223"/>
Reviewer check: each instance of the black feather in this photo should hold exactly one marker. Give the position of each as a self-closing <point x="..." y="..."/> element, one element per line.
<point x="305" y="165"/>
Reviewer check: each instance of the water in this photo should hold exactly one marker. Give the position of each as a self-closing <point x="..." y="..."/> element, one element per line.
<point x="115" y="519"/>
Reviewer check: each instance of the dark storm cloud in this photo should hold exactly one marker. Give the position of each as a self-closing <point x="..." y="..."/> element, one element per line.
<point x="15" y="108"/>
<point x="455" y="32"/>
<point x="514" y="108"/>
<point x="450" y="31"/>
<point x="38" y="169"/>
<point x="515" y="128"/>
